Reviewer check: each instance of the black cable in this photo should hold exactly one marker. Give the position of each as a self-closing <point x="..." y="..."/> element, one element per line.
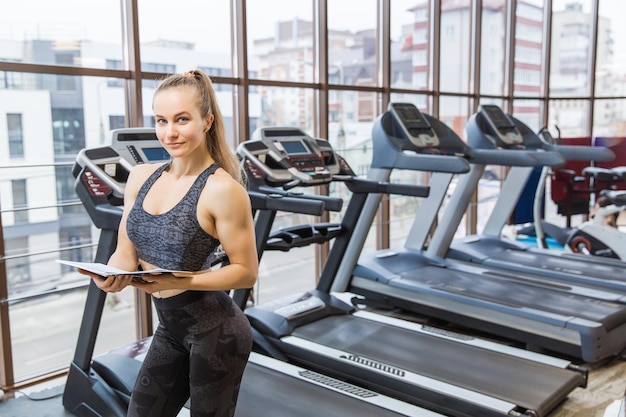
<point x="31" y="397"/>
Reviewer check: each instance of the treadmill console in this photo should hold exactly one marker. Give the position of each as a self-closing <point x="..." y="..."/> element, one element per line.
<point x="101" y="173"/>
<point x="139" y="145"/>
<point x="288" y="157"/>
<point x="414" y="125"/>
<point x="504" y="129"/>
<point x="105" y="169"/>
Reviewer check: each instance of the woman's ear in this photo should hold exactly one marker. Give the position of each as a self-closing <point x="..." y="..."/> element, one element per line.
<point x="209" y="123"/>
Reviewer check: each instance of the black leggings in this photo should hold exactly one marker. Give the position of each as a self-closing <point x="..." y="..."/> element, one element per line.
<point x="199" y="351"/>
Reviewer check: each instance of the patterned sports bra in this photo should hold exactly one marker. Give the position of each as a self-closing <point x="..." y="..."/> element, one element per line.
<point x="174" y="239"/>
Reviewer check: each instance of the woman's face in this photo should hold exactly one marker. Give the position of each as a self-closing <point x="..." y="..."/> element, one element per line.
<point x="179" y="125"/>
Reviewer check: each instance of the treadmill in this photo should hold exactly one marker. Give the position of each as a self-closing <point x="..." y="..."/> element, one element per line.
<point x="101" y="386"/>
<point x="486" y="130"/>
<point x="536" y="313"/>
<point x="448" y="372"/>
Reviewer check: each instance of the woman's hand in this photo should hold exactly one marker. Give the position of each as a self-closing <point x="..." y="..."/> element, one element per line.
<point x="112" y="283"/>
<point x="158" y="282"/>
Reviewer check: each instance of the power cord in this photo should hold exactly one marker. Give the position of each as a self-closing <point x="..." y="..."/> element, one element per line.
<point x="31" y="397"/>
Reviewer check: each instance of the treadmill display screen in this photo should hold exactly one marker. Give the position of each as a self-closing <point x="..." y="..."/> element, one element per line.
<point x="136" y="136"/>
<point x="294" y="147"/>
<point x="156" y="154"/>
<point x="497" y="117"/>
<point x="411" y="117"/>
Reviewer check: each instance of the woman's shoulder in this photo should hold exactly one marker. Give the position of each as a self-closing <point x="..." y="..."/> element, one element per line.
<point x="221" y="183"/>
<point x="144" y="170"/>
<point x="140" y="173"/>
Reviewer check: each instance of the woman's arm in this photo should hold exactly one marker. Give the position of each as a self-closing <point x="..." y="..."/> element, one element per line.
<point x="125" y="256"/>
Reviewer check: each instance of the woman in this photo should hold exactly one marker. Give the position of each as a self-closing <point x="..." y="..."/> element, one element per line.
<point x="175" y="216"/>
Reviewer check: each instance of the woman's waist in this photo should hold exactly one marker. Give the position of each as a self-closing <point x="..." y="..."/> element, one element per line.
<point x="167" y="293"/>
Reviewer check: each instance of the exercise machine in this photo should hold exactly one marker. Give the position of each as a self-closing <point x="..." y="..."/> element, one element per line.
<point x="100" y="386"/>
<point x="489" y="248"/>
<point x="596" y="236"/>
<point x="448" y="372"/>
<point x="538" y="314"/>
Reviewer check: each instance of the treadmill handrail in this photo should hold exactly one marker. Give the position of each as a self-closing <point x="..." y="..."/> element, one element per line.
<point x="584" y="153"/>
<point x="330" y="203"/>
<point x="429" y="163"/>
<point x="280" y="202"/>
<point x="505" y="157"/>
<point x="367" y="186"/>
<point x="549" y="158"/>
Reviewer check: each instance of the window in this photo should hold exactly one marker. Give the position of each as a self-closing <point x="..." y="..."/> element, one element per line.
<point x="68" y="130"/>
<point x="156" y="67"/>
<point x="10" y="80"/>
<point x="115" y="64"/>
<point x="65" y="82"/>
<point x="528" y="55"/>
<point x="118" y="122"/>
<point x="20" y="201"/>
<point x="16" y="135"/>
<point x="528" y="77"/>
<point x="18" y="268"/>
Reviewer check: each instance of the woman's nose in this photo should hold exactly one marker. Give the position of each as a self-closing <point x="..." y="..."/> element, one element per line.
<point x="171" y="130"/>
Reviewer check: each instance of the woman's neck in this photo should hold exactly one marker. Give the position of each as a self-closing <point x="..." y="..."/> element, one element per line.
<point x="180" y="167"/>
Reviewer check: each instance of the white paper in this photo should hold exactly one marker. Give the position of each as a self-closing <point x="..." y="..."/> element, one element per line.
<point x="106" y="270"/>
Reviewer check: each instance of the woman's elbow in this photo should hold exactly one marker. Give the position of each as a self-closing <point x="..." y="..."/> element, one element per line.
<point x="248" y="280"/>
<point x="250" y="276"/>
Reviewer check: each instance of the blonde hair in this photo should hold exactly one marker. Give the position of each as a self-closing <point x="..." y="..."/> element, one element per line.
<point x="215" y="139"/>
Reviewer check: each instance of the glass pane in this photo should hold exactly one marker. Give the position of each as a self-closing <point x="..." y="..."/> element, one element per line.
<point x="570" y="116"/>
<point x="454" y="112"/>
<point x="352" y="45"/>
<point x="455" y="47"/>
<point x="44" y="330"/>
<point x="528" y="48"/>
<point x="529" y="112"/>
<point x="286" y="273"/>
<point x="609" y="118"/>
<point x="402" y="209"/>
<point x="410" y="48"/>
<point x="611" y="49"/>
<point x="46" y="33"/>
<point x="202" y="40"/>
<point x="54" y="224"/>
<point x="571" y="48"/>
<point x="276" y="106"/>
<point x="493" y="42"/>
<point x="350" y="119"/>
<point x="280" y="43"/>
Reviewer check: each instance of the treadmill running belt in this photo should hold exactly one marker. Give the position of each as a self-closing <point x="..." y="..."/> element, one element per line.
<point x="560" y="264"/>
<point x="496" y="374"/>
<point x="268" y="393"/>
<point x="513" y="294"/>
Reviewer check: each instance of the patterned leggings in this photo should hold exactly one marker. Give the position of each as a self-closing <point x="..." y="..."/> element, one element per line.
<point x="199" y="351"/>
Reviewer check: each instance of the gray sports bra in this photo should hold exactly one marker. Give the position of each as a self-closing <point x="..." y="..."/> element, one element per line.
<point x="174" y="239"/>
